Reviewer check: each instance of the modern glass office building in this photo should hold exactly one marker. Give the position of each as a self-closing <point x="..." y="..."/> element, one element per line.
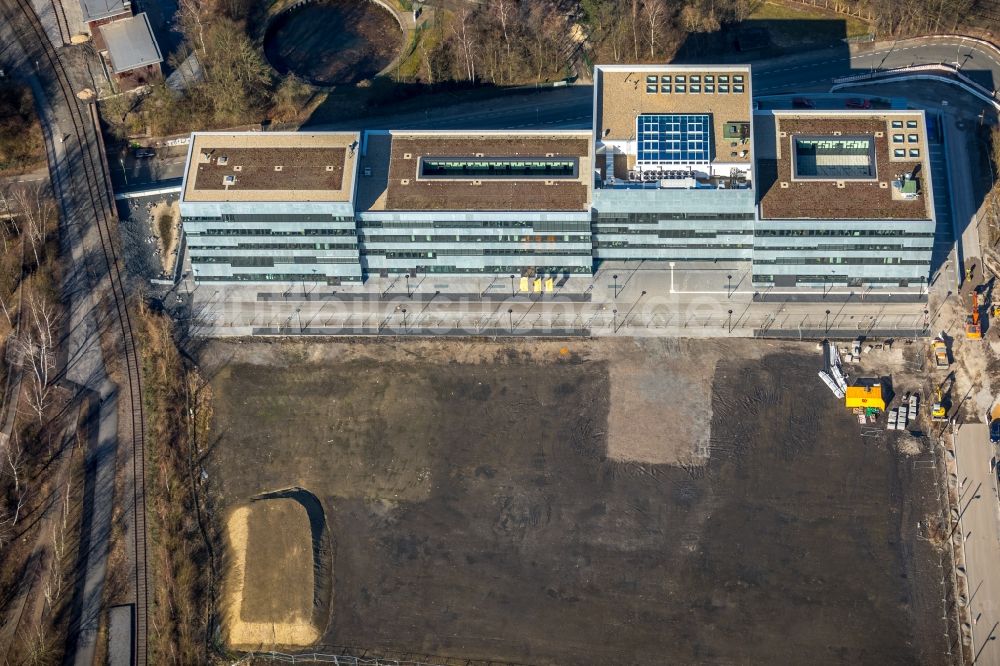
<point x="482" y="203"/>
<point x="845" y="199"/>
<point x="678" y="167"/>
<point x="274" y="207"/>
<point x="674" y="163"/>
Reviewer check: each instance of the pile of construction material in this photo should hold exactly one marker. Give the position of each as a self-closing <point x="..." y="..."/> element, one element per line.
<point x="832" y="374"/>
<point x="900" y="416"/>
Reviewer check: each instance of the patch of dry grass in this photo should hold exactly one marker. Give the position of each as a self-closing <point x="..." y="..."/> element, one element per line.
<point x="269" y="586"/>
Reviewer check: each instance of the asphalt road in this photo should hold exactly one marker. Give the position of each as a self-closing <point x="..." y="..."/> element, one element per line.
<point x="572" y="107"/>
<point x="980" y="525"/>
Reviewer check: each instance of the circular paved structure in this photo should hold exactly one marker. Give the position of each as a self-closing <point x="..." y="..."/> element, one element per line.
<point x="333" y="42"/>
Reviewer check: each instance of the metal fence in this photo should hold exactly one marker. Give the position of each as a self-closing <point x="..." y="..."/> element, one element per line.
<point x="350" y="660"/>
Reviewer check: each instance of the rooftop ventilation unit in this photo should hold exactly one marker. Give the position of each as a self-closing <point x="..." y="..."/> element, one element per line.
<point x="228" y="180"/>
<point x="238" y="167"/>
<point x="407" y="156"/>
<point x="841" y="184"/>
<point x="784" y="184"/>
<point x="404" y="181"/>
<point x="223" y="160"/>
<point x="329" y="167"/>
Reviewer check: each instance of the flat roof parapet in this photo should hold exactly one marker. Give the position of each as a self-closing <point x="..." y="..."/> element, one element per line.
<point x="843" y="165"/>
<point x="476" y="171"/>
<point x="271" y="167"/>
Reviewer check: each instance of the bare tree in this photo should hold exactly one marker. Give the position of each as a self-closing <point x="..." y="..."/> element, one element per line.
<point x="9" y="228"/>
<point x="37" y="646"/>
<point x="39" y="350"/>
<point x="464" y="36"/>
<point x="6" y="527"/>
<point x="14" y="466"/>
<point x="36" y="211"/>
<point x="191" y="23"/>
<point x="654" y="12"/>
<point x="504" y="11"/>
<point x="635" y="28"/>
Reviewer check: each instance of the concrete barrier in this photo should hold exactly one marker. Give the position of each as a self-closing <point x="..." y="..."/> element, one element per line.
<point x="920" y="72"/>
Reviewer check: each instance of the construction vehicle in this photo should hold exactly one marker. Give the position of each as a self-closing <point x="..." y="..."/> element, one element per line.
<point x="940" y="353"/>
<point x="993" y="419"/>
<point x="939" y="410"/>
<point x="973" y="327"/>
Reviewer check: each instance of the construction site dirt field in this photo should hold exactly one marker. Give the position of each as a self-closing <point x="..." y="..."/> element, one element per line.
<point x="589" y="502"/>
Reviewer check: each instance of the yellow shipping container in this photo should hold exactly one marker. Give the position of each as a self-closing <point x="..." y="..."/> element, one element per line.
<point x="864" y="396"/>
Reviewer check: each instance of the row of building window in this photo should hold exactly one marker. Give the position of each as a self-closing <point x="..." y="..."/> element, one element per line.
<point x="500" y="270"/>
<point x="840" y="232"/>
<point x="397" y="254"/>
<point x="282" y="217"/>
<point x="841" y="248"/>
<point x="763" y="278"/>
<point x="898" y="124"/>
<point x="653" y="218"/>
<point x="539" y="225"/>
<point x="671" y="246"/>
<point x="276" y="277"/>
<point x="228" y="231"/>
<point x="833" y="261"/>
<point x="372" y="238"/>
<point x="278" y="246"/>
<point x="901" y="152"/>
<point x="671" y="233"/>
<point x="267" y="262"/>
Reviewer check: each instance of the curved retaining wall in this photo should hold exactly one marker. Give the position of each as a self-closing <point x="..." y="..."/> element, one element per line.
<point x="405" y="25"/>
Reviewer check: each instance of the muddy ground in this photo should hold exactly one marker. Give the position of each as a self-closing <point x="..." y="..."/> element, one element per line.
<point x="475" y="511"/>
<point x="333" y="42"/>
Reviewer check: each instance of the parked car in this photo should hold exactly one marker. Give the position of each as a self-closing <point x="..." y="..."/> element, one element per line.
<point x="858" y="103"/>
<point x="995" y="431"/>
<point x="803" y="103"/>
<point x="141" y="153"/>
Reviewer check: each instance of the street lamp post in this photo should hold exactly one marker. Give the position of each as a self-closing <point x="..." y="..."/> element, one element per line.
<point x="615" y="317"/>
<point x="510" y="317"/>
<point x="404" y="320"/>
<point x="730" y="322"/>
<point x="828" y="322"/>
<point x="124" y="174"/>
<point x="615" y="277"/>
<point x="512" y="291"/>
<point x="729" y="287"/>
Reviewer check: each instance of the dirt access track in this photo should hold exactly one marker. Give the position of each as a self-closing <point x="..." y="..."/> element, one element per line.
<point x="589" y="502"/>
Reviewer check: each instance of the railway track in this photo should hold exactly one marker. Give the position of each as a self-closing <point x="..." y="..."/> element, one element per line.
<point x="91" y="170"/>
<point x="61" y="21"/>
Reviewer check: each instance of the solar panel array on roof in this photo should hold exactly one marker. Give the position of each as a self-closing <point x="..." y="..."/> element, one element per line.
<point x="674" y="138"/>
